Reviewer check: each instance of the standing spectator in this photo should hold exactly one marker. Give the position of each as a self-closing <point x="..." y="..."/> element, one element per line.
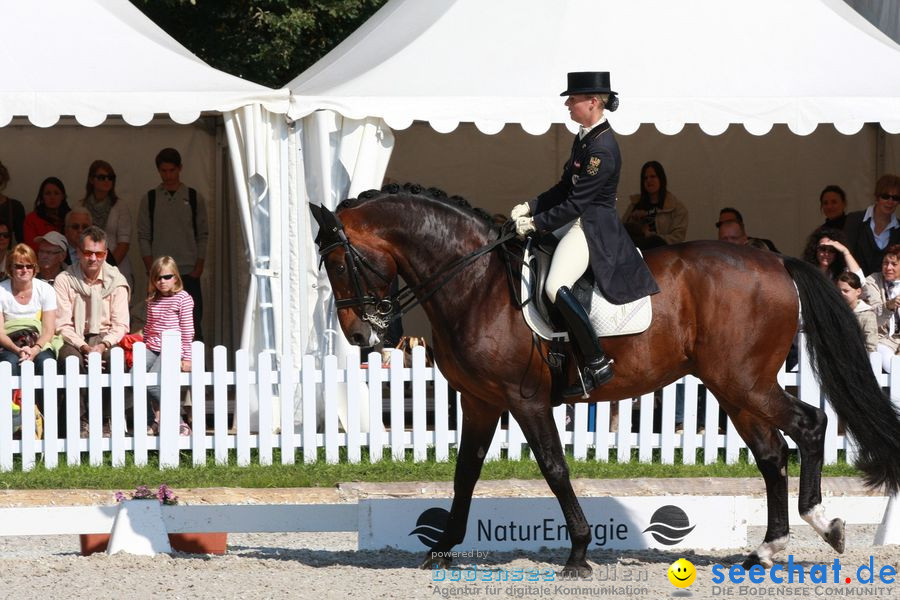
<point x="77" y="220"/>
<point x="826" y="249"/>
<point x="5" y="243"/>
<point x="172" y="222"/>
<point x="51" y="255"/>
<point x="93" y="307"/>
<point x="656" y="212"/>
<point x="882" y="292"/>
<point x="50" y="208"/>
<point x="851" y="289"/>
<point x="833" y="204"/>
<point x="12" y="213"/>
<point x="109" y="214"/>
<point x="728" y="216"/>
<point x="168" y="307"/>
<point x="872" y="230"/>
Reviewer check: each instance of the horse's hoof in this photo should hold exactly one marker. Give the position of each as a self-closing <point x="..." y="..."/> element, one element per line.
<point x="754" y="559"/>
<point x="576" y="571"/>
<point x="835" y="535"/>
<point x="435" y="562"/>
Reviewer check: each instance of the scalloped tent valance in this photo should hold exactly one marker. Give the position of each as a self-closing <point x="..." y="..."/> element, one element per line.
<point x="94" y="58"/>
<point x="800" y="63"/>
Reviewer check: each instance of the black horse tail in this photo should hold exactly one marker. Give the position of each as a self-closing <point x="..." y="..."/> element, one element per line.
<point x="841" y="363"/>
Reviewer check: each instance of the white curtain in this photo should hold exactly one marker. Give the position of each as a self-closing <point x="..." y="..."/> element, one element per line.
<point x="337" y="158"/>
<point x="259" y="161"/>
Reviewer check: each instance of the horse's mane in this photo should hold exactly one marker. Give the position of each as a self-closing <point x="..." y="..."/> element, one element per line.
<point x="418" y="192"/>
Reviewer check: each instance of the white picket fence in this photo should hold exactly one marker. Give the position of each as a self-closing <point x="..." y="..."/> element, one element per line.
<point x="413" y="410"/>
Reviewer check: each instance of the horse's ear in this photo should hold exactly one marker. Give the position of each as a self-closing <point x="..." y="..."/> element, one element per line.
<point x="316" y="211"/>
<point x="329" y="225"/>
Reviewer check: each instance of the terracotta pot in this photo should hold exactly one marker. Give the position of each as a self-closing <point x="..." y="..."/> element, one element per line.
<point x="194" y="543"/>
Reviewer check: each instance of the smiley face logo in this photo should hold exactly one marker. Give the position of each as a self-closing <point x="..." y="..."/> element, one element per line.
<point x="682" y="573"/>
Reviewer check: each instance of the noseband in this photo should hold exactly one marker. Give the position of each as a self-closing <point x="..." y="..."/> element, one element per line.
<point x="389" y="308"/>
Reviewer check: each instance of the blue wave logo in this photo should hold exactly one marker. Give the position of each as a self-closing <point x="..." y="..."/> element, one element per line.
<point x="430" y="525"/>
<point x="669" y="525"/>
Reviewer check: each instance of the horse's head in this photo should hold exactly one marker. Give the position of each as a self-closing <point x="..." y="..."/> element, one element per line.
<point x="360" y="271"/>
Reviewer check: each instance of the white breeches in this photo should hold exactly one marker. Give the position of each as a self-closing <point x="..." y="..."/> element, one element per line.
<point x="570" y="260"/>
<point x="887" y="354"/>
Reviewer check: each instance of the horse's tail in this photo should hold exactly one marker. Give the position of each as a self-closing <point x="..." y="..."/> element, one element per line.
<point x="842" y="366"/>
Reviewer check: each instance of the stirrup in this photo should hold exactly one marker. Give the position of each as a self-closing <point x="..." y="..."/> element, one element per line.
<point x="590" y="377"/>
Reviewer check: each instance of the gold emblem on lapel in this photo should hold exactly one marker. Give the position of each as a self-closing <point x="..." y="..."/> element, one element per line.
<point x="593" y="165"/>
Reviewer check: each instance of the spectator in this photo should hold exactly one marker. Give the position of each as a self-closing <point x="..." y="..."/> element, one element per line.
<point x="882" y="292"/>
<point x="833" y="204"/>
<point x="50" y="208"/>
<point x="851" y="289"/>
<point x="12" y="213"/>
<point x="732" y="215"/>
<point x="51" y="255"/>
<point x="826" y="249"/>
<point x="172" y="222"/>
<point x="93" y="307"/>
<point x="5" y="243"/>
<point x="656" y="212"/>
<point x="872" y="230"/>
<point x="77" y="220"/>
<point x="109" y="214"/>
<point x="28" y="308"/>
<point x="168" y="307"/>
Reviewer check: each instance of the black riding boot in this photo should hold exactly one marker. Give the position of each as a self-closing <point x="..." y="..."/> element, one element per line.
<point x="598" y="367"/>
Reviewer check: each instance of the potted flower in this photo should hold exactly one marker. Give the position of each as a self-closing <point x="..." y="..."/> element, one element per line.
<point x="197" y="543"/>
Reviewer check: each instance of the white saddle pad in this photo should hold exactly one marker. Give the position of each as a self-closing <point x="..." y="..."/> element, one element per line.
<point x="608" y="319"/>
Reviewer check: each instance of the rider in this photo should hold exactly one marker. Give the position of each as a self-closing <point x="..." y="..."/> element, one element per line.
<point x="584" y="201"/>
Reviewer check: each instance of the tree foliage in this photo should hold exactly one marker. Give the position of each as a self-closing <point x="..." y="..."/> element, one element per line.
<point x="266" y="41"/>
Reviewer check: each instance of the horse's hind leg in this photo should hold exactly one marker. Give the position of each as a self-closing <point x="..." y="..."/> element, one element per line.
<point x="479" y="424"/>
<point x="539" y="429"/>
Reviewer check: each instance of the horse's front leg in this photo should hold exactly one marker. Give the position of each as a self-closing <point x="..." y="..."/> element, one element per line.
<point x="539" y="429"/>
<point x="479" y="423"/>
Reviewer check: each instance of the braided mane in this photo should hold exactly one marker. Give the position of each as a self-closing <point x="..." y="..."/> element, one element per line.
<point x="417" y="192"/>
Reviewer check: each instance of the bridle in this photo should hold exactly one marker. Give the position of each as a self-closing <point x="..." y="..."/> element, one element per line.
<point x="381" y="311"/>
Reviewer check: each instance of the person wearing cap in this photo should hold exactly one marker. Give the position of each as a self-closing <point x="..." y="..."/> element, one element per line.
<point x="51" y="254"/>
<point x="584" y="202"/>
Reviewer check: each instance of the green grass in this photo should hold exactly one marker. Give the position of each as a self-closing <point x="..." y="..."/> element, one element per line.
<point x="320" y="474"/>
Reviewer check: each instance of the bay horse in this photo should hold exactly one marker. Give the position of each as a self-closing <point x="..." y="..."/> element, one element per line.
<point x="726" y="314"/>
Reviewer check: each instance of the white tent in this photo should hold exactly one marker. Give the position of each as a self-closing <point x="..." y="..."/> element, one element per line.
<point x="760" y="65"/>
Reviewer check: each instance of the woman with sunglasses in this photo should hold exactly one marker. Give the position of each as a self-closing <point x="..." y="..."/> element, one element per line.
<point x="871" y="231"/>
<point x="168" y="307"/>
<point x="49" y="214"/>
<point x="27" y="312"/>
<point x="826" y="248"/>
<point x="11" y="210"/>
<point x="109" y="214"/>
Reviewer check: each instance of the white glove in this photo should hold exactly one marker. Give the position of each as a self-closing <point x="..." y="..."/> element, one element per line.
<point x="520" y="210"/>
<point x="524" y="226"/>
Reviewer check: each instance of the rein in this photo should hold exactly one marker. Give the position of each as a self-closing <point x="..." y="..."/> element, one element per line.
<point x="389" y="308"/>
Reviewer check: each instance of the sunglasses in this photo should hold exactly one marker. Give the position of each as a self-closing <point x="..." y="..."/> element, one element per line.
<point x="78" y="226"/>
<point x="105" y="177"/>
<point x="98" y="255"/>
<point x="5" y="235"/>
<point x="894" y="197"/>
<point x="20" y="266"/>
<point x="165" y="277"/>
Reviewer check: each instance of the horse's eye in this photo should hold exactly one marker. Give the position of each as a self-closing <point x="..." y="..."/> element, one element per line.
<point x="340" y="268"/>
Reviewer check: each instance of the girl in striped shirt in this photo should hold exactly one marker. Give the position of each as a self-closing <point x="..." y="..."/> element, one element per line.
<point x="168" y="307"/>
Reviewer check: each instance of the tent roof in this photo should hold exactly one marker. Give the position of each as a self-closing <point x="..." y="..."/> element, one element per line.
<point x="94" y="58"/>
<point x="802" y="63"/>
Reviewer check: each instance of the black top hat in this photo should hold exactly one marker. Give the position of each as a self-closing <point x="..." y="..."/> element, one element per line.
<point x="587" y="82"/>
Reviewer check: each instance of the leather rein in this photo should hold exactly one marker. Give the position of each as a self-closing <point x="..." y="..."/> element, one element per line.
<point x="389" y="308"/>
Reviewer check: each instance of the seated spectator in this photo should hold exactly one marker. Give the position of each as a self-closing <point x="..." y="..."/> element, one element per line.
<point x="727" y="216"/>
<point x="872" y="230"/>
<point x="77" y="220"/>
<point x="825" y="248"/>
<point x="50" y="208"/>
<point x="51" y="255"/>
<point x="851" y="289"/>
<point x="882" y="293"/>
<point x="109" y="214"/>
<point x="833" y="204"/>
<point x="12" y="213"/>
<point x="655" y="212"/>
<point x="5" y="243"/>
<point x="93" y="307"/>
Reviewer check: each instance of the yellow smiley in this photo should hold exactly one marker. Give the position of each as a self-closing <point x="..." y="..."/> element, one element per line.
<point x="682" y="573"/>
